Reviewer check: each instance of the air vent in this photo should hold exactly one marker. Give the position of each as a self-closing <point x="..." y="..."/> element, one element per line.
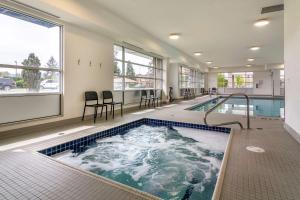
<point x="270" y="9"/>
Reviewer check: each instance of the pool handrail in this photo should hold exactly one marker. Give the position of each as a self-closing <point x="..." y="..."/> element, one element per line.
<point x="233" y="122"/>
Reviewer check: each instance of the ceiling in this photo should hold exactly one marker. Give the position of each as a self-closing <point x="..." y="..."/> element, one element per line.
<point x="222" y="30"/>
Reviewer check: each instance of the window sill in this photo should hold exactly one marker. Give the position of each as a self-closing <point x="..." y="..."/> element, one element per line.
<point x="30" y="94"/>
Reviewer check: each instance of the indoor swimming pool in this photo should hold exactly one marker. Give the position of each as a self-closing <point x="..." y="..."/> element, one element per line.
<point x="262" y="107"/>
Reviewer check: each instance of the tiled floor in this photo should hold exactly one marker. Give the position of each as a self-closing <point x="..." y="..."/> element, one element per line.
<point x="274" y="174"/>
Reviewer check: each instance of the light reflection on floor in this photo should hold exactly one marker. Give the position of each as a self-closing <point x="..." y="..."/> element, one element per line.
<point x="43" y="138"/>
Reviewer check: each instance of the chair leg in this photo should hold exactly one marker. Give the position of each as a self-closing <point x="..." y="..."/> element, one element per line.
<point x="95" y="114"/>
<point x="141" y="103"/>
<point x="145" y="102"/>
<point x="113" y="111"/>
<point x="101" y="111"/>
<point x="83" y="113"/>
<point x="106" y="112"/>
<point x="121" y="109"/>
<point x="111" y="108"/>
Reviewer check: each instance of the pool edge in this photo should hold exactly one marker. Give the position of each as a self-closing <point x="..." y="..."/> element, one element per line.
<point x="219" y="184"/>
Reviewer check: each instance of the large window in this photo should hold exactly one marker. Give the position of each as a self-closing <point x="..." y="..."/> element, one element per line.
<point x="30" y="54"/>
<point x="190" y="78"/>
<point x="235" y="80"/>
<point x="135" y="71"/>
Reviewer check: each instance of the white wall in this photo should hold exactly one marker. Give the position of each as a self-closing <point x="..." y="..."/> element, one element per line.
<point x="292" y="63"/>
<point x="172" y="78"/>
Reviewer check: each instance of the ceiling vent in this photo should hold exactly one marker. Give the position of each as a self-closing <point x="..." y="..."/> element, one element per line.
<point x="270" y="9"/>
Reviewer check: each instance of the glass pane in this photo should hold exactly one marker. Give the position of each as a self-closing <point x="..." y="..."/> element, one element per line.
<point x="139" y="83"/>
<point x="28" y="41"/>
<point x="117" y="52"/>
<point x="132" y="70"/>
<point x="118" y="69"/>
<point x="159" y="84"/>
<point x="159" y="74"/>
<point x="159" y="63"/>
<point x="118" y="83"/>
<point x="137" y="57"/>
<point x="13" y="81"/>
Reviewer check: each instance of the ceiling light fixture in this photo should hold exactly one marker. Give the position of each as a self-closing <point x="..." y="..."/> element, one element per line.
<point x="254" y="48"/>
<point x="174" y="36"/>
<point x="197" y="53"/>
<point x="209" y="62"/>
<point x="251" y="59"/>
<point x="216" y="67"/>
<point x="261" y="22"/>
<point x="248" y="65"/>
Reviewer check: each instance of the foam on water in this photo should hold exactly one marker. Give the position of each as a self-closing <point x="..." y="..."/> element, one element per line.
<point x="179" y="163"/>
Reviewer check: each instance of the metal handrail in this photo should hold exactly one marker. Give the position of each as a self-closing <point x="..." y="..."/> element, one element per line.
<point x="233" y="122"/>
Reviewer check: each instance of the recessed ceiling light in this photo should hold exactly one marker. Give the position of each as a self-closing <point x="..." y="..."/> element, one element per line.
<point x="197" y="53"/>
<point x="216" y="67"/>
<point x="251" y="59"/>
<point x="209" y="62"/>
<point x="261" y="22"/>
<point x="248" y="65"/>
<point x="174" y="36"/>
<point x="254" y="48"/>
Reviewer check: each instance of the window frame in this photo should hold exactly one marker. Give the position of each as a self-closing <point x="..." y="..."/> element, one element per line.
<point x="123" y="75"/>
<point x="230" y="77"/>
<point x="60" y="69"/>
<point x="195" y="76"/>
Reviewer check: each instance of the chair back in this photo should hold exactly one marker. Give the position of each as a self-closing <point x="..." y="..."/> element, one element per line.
<point x="107" y="94"/>
<point x="91" y="96"/>
<point x="152" y="93"/>
<point x="144" y="93"/>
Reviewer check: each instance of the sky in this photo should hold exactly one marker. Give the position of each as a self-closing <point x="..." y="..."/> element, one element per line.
<point x="18" y="38"/>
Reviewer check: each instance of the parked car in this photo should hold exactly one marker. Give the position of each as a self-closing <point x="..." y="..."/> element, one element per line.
<point x="49" y="84"/>
<point x="7" y="84"/>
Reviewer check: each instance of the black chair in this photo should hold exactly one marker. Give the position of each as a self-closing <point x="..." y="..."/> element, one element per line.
<point x="213" y="91"/>
<point x="107" y="95"/>
<point x="186" y="93"/>
<point x="144" y="97"/>
<point x="153" y="97"/>
<point x="93" y="96"/>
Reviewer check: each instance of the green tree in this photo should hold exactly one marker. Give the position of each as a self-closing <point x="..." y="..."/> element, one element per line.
<point x="32" y="77"/>
<point x="150" y="70"/>
<point x="222" y="82"/>
<point x="130" y="71"/>
<point x="52" y="63"/>
<point x="117" y="71"/>
<point x="239" y="81"/>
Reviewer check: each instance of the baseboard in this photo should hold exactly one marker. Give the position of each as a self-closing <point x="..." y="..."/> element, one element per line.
<point x="292" y="132"/>
<point x="65" y="122"/>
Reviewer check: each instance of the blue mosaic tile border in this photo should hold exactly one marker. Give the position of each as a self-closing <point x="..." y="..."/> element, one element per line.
<point x="82" y="143"/>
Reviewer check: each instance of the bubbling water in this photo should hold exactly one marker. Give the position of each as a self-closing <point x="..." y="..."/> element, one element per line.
<point x="163" y="161"/>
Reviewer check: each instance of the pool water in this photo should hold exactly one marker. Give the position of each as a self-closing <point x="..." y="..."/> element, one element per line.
<point x="258" y="107"/>
<point x="171" y="163"/>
